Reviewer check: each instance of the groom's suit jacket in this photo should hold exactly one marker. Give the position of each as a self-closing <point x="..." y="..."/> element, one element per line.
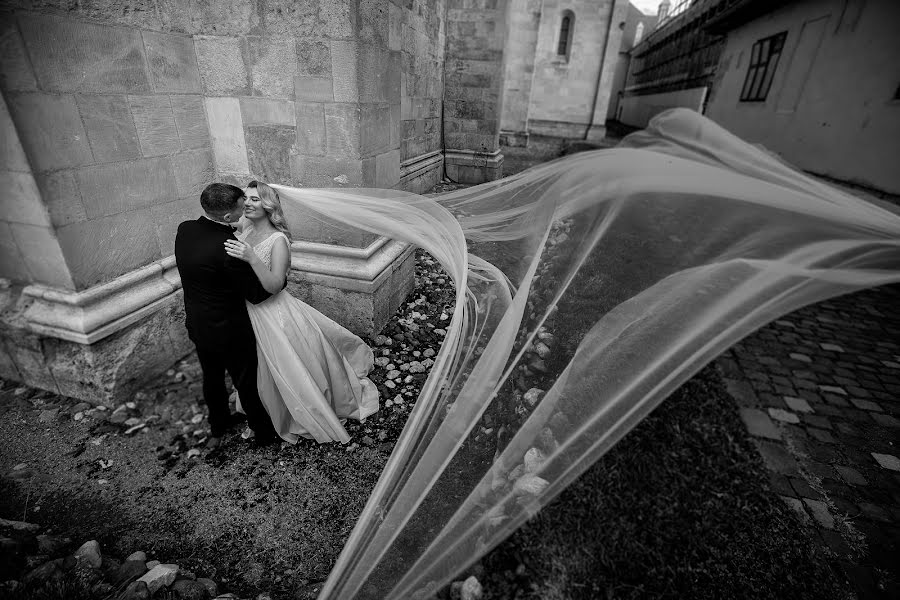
<point x="215" y="286"/>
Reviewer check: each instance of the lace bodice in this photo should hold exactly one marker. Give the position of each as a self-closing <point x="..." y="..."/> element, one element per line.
<point x="264" y="248"/>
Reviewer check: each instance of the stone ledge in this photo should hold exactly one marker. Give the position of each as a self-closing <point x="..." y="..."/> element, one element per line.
<point x="93" y="314"/>
<point x="420" y="174"/>
<point x="514" y="139"/>
<point x="468" y="166"/>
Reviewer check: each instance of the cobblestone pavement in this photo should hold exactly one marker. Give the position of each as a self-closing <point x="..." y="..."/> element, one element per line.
<point x="819" y="391"/>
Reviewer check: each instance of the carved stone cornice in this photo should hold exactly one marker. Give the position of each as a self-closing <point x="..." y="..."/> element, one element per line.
<point x="90" y="315"/>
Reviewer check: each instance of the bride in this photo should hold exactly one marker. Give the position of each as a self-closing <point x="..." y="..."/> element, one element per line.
<point x="312" y="372"/>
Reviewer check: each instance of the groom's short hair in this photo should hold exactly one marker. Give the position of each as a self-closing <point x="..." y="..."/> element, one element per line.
<point x="218" y="198"/>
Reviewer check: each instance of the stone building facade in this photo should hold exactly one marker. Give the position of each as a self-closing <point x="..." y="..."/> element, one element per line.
<point x="115" y="115"/>
<point x="561" y="60"/>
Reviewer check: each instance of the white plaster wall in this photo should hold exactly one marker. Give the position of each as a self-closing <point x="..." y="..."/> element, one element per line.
<point x="565" y="91"/>
<point x="843" y="123"/>
<point x="638" y="110"/>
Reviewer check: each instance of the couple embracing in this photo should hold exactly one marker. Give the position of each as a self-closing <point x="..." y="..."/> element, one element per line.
<point x="297" y="372"/>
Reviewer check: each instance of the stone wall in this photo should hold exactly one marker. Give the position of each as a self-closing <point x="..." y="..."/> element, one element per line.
<point x="29" y="249"/>
<point x="112" y="123"/>
<point x="473" y="89"/>
<point x="117" y="114"/>
<point x="417" y="30"/>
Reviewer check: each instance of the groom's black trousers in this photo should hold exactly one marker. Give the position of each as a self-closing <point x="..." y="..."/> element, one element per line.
<point x="240" y="361"/>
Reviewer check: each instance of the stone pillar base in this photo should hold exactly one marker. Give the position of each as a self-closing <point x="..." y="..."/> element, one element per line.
<point x="109" y="369"/>
<point x="360" y="288"/>
<point x="596" y="133"/>
<point x="466" y="166"/>
<point x="420" y="174"/>
<point x="514" y="139"/>
<point x="104" y="344"/>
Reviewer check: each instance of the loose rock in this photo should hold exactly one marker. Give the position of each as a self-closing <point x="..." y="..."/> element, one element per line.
<point x="160" y="576"/>
<point x="89" y="554"/>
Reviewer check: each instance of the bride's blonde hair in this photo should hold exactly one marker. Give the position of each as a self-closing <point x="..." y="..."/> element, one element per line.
<point x="271" y="203"/>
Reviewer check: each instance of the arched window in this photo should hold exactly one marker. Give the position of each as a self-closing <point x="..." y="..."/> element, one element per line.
<point x="638" y="34"/>
<point x="566" y="29"/>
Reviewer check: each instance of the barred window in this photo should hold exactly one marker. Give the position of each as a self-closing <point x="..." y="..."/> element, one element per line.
<point x="763" y="62"/>
<point x="566" y="28"/>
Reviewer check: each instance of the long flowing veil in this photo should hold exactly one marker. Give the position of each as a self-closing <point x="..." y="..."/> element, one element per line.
<point x="608" y="278"/>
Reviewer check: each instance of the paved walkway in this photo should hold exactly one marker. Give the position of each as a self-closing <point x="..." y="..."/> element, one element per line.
<point x="819" y="390"/>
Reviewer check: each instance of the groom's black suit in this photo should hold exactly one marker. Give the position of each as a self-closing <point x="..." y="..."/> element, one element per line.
<point x="215" y="288"/>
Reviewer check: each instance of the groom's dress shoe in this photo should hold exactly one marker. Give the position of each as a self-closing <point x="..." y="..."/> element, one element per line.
<point x="234" y="420"/>
<point x="260" y="441"/>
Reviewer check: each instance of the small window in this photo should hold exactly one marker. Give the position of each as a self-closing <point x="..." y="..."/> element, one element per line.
<point x="638" y="34"/>
<point x="763" y="62"/>
<point x="566" y="28"/>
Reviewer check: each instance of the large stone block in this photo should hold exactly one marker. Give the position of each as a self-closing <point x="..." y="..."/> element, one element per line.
<point x="313" y="89"/>
<point x="224" y="17"/>
<point x="12" y="155"/>
<point x="273" y="65"/>
<point x="313" y="58"/>
<point x="226" y="127"/>
<point x="395" y="125"/>
<point x="328" y="171"/>
<point x="110" y="127"/>
<point x="173" y="63"/>
<point x="193" y="172"/>
<point x="119" y="187"/>
<point x="373" y="21"/>
<point x="190" y="121"/>
<point x="343" y="69"/>
<point x="74" y="56"/>
<point x="375" y="129"/>
<point x="50" y="130"/>
<point x="15" y="68"/>
<point x="268" y="150"/>
<point x="22" y="200"/>
<point x="167" y="217"/>
<point x="12" y="265"/>
<point x="41" y="254"/>
<point x="60" y="194"/>
<point x="387" y="169"/>
<point x="102" y="249"/>
<point x="297" y="17"/>
<point x="223" y="68"/>
<point x="337" y="18"/>
<point x="395" y="27"/>
<point x="264" y="111"/>
<point x="310" y="128"/>
<point x="155" y="124"/>
<point x="375" y="79"/>
<point x="342" y="127"/>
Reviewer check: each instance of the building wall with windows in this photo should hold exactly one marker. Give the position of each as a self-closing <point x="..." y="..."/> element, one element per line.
<point x="561" y="58"/>
<point x="825" y="97"/>
<point x="636" y="26"/>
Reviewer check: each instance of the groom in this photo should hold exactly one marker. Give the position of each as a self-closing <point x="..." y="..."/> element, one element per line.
<point x="215" y="288"/>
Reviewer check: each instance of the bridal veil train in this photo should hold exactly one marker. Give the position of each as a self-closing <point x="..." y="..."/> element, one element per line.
<point x="678" y="242"/>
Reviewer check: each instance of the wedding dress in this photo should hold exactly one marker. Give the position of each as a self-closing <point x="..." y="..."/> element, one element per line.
<point x="312" y="372"/>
